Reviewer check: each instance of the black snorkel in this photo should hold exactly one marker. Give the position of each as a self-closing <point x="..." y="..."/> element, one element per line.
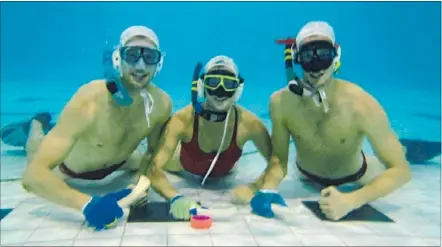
<point x="296" y="84"/>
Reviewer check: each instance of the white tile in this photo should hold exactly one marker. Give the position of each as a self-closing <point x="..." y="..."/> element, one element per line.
<point x="149" y="228"/>
<point x="307" y="225"/>
<point x="428" y="230"/>
<point x="98" y="242"/>
<point x="433" y="241"/>
<point x="149" y="240"/>
<point x="51" y="243"/>
<point x="348" y="228"/>
<point x="189" y="240"/>
<point x="278" y="240"/>
<point x="88" y="232"/>
<point x="267" y="226"/>
<point x="61" y="217"/>
<point x="388" y="229"/>
<point x="238" y="227"/>
<point x="52" y="234"/>
<point x="184" y="228"/>
<point x="15" y="222"/>
<point x="319" y="239"/>
<point x="361" y="240"/>
<point x="401" y="241"/>
<point x="233" y="240"/>
<point x="14" y="236"/>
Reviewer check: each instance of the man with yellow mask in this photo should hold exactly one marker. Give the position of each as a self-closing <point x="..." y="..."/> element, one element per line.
<point x="328" y="119"/>
<point x="100" y="128"/>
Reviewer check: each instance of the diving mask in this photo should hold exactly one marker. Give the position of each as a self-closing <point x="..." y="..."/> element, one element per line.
<point x="213" y="82"/>
<point x="132" y="54"/>
<point x="316" y="56"/>
<point x="221" y="84"/>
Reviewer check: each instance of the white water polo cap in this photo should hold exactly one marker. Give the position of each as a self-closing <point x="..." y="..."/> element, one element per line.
<point x="315" y="28"/>
<point x="139" y="31"/>
<point x="222" y="62"/>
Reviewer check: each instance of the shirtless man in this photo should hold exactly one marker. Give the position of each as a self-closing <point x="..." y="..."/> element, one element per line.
<point x="194" y="135"/>
<point x="100" y="128"/>
<point x="328" y="127"/>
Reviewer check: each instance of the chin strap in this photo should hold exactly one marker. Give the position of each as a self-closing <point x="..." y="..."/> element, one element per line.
<point x="148" y="104"/>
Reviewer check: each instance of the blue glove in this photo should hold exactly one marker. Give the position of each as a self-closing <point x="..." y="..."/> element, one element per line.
<point x="262" y="201"/>
<point x="103" y="212"/>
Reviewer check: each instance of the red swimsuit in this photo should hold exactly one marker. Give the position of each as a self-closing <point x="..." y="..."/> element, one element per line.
<point x="197" y="162"/>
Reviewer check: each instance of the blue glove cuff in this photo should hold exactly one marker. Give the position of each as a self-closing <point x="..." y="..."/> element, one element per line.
<point x="86" y="204"/>
<point x="268" y="191"/>
<point x="175" y="198"/>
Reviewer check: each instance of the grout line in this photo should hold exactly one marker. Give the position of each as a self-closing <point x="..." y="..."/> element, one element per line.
<point x="124" y="231"/>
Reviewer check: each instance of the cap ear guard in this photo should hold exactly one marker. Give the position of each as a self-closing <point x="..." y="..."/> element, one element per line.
<point x="200" y="87"/>
<point x="116" y="58"/>
<point x="201" y="93"/>
<point x="337" y="59"/>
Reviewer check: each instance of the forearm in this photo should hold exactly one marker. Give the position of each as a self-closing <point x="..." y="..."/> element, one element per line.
<point x="47" y="185"/>
<point x="145" y="163"/>
<point x="160" y="183"/>
<point x="273" y="176"/>
<point x="384" y="184"/>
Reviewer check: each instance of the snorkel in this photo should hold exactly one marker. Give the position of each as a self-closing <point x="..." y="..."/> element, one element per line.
<point x="194" y="92"/>
<point x="113" y="81"/>
<point x="302" y="87"/>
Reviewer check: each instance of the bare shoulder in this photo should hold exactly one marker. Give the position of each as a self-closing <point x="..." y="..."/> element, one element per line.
<point x="246" y="117"/>
<point x="87" y="98"/>
<point x="80" y="111"/>
<point x="282" y="103"/>
<point x="162" y="98"/>
<point x="183" y="117"/>
<point x="364" y="104"/>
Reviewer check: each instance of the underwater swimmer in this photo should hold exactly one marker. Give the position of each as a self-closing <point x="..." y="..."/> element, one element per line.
<point x="328" y="127"/>
<point x="99" y="130"/>
<point x="16" y="134"/>
<point x="206" y="139"/>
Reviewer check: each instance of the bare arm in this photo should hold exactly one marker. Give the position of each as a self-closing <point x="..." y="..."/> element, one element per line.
<point x="388" y="149"/>
<point x="166" y="148"/>
<point x="277" y="167"/>
<point x="38" y="177"/>
<point x="260" y="136"/>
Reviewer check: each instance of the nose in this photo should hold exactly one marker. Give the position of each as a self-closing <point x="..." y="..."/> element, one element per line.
<point x="140" y="64"/>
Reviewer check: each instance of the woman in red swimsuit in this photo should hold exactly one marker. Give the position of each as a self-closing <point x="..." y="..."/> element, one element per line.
<point x="206" y="139"/>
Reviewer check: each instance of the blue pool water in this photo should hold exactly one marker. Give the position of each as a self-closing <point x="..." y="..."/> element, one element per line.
<point x="391" y="49"/>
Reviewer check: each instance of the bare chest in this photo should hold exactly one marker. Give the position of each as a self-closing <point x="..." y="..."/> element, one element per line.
<point x="320" y="132"/>
<point x="119" y="133"/>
